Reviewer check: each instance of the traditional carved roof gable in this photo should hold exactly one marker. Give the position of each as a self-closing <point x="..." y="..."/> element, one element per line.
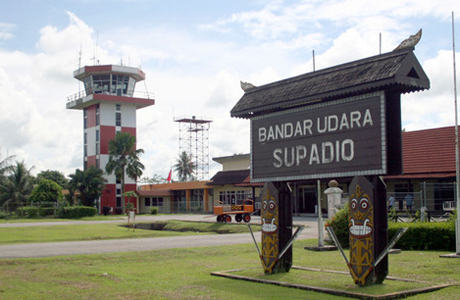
<point x="397" y="71"/>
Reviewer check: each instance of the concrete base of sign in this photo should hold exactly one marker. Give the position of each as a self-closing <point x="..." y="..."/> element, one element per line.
<point x="344" y="293"/>
<point x="321" y="248"/>
<point x="451" y="255"/>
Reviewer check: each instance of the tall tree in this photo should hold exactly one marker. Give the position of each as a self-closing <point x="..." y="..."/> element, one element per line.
<point x="55" y="176"/>
<point x="5" y="164"/>
<point x="46" y="190"/>
<point x="17" y="184"/>
<point x="90" y="183"/>
<point x="184" y="167"/>
<point x="124" y="159"/>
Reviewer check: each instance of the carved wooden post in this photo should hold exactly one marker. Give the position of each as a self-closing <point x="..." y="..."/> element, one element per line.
<point x="368" y="230"/>
<point x="276" y="217"/>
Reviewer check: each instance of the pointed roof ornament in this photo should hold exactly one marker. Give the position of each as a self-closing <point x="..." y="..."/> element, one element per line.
<point x="246" y="86"/>
<point x="410" y="42"/>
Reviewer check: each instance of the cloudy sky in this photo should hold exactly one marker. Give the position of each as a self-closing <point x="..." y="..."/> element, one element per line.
<point x="194" y="53"/>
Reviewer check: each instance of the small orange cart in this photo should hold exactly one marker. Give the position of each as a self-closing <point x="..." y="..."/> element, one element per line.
<point x="242" y="212"/>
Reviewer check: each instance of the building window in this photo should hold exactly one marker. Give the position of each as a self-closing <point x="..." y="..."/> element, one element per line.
<point x="118" y="116"/>
<point x="97" y="115"/>
<point x="234" y="197"/>
<point x="97" y="142"/>
<point x="118" y="201"/>
<point x="131" y="85"/>
<point x="85" y="118"/>
<point x="119" y="84"/>
<point x="85" y="144"/>
<point x="101" y="84"/>
<point x="88" y="85"/>
<point x="157" y="201"/>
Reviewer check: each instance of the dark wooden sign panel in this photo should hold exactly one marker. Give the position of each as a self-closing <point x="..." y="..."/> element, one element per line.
<point x="334" y="139"/>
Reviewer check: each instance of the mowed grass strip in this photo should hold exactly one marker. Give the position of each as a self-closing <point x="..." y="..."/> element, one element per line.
<point x="185" y="274"/>
<point x="104" y="231"/>
<point x="78" y="232"/>
<point x="42" y="220"/>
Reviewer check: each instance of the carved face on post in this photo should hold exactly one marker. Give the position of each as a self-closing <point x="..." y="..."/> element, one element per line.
<point x="270" y="234"/>
<point x="361" y="226"/>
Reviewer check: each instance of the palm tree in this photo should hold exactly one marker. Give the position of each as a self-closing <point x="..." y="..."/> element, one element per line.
<point x="184" y="167"/>
<point x="76" y="183"/>
<point x="124" y="159"/>
<point x="5" y="164"/>
<point x="16" y="187"/>
<point x="90" y="183"/>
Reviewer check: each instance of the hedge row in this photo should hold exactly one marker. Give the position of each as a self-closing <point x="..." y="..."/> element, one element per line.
<point x="75" y="212"/>
<point x="28" y="212"/>
<point x="425" y="236"/>
<point x="66" y="212"/>
<point x="420" y="236"/>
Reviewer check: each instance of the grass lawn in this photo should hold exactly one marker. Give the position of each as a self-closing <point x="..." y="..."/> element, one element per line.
<point x="78" y="232"/>
<point x="185" y="274"/>
<point x="104" y="231"/>
<point x="39" y="220"/>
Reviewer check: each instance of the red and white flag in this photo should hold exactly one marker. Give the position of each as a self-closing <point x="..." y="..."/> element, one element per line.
<point x="169" y="176"/>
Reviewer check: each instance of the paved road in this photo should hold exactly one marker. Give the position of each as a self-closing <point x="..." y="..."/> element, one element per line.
<point x="144" y="244"/>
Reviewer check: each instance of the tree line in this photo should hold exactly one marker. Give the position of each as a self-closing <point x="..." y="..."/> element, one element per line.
<point x="19" y="187"/>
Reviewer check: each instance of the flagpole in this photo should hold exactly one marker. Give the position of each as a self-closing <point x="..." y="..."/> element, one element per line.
<point x="457" y="168"/>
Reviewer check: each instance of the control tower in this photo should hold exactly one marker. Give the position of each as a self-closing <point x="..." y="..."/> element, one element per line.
<point x="109" y="106"/>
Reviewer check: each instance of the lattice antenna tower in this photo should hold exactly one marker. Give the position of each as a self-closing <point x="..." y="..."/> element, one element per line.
<point x="194" y="140"/>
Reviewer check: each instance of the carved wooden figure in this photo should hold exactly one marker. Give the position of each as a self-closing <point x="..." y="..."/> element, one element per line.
<point x="276" y="219"/>
<point x="367" y="231"/>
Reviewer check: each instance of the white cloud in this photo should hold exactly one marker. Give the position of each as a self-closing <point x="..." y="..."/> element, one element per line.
<point x="196" y="70"/>
<point x="5" y="31"/>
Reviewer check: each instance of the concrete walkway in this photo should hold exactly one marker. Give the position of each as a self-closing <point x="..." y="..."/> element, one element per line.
<point x="143" y="244"/>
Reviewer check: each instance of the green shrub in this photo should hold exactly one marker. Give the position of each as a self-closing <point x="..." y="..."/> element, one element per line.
<point x="420" y="236"/>
<point x="453" y="216"/>
<point x="340" y="225"/>
<point x="28" y="212"/>
<point x="75" y="212"/>
<point x="425" y="236"/>
<point x="153" y="210"/>
<point x="46" y="211"/>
